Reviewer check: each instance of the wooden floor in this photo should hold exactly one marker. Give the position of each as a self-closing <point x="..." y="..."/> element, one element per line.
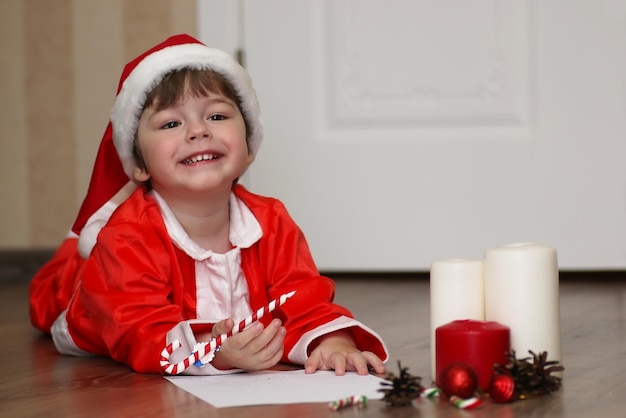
<point x="35" y="381"/>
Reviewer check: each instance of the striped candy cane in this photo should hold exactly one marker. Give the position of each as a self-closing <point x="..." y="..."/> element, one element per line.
<point x="470" y="403"/>
<point x="204" y="352"/>
<point x="353" y="400"/>
<point x="177" y="368"/>
<point x="430" y="392"/>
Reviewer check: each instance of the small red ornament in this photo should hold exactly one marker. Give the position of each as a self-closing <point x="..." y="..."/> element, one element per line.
<point x="458" y="379"/>
<point x="502" y="388"/>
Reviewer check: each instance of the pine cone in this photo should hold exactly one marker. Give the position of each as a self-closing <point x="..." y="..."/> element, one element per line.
<point x="401" y="391"/>
<point x="531" y="379"/>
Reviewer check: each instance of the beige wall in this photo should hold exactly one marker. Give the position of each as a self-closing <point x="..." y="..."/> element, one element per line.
<point x="60" y="61"/>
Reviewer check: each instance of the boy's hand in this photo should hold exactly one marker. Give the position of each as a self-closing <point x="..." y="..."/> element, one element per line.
<point x="337" y="351"/>
<point x="255" y="348"/>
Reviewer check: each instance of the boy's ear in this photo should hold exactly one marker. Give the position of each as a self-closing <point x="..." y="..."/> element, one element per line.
<point x="140" y="175"/>
<point x="250" y="158"/>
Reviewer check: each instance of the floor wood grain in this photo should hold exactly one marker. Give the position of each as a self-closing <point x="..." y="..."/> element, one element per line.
<point x="37" y="382"/>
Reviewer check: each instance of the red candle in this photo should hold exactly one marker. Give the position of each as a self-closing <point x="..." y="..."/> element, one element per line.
<point x="480" y="344"/>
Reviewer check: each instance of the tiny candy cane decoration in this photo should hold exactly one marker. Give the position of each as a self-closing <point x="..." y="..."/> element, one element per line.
<point x="208" y="349"/>
<point x="470" y="403"/>
<point x="430" y="392"/>
<point x="349" y="401"/>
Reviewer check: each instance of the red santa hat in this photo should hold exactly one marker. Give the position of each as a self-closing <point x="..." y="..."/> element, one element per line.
<point x="144" y="73"/>
<point x="114" y="164"/>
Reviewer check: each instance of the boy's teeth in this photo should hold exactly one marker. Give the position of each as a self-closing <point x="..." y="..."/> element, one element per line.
<point x="203" y="157"/>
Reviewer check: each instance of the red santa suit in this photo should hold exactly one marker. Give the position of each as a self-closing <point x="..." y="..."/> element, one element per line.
<point x="146" y="284"/>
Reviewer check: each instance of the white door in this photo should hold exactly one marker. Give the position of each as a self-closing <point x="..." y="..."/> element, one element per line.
<point x="402" y="131"/>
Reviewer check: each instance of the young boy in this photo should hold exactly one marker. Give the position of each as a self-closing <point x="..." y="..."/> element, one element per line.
<point x="191" y="251"/>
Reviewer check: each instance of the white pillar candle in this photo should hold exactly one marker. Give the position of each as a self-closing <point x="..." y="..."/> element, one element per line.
<point x="456" y="293"/>
<point x="522" y="292"/>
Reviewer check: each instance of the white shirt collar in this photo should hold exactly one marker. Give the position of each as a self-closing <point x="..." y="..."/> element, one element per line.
<point x="245" y="229"/>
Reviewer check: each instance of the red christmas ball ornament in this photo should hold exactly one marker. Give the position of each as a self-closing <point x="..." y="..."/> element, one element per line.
<point x="458" y="379"/>
<point x="502" y="388"/>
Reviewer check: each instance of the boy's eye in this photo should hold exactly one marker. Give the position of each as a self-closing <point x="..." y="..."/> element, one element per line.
<point x="170" y="125"/>
<point x="217" y="117"/>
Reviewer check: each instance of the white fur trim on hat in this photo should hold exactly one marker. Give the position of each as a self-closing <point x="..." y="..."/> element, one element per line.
<point x="149" y="73"/>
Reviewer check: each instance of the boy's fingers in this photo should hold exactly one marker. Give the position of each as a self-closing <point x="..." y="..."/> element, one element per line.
<point x="377" y="364"/>
<point x="338" y="360"/>
<point x="223" y="327"/>
<point x="358" y="362"/>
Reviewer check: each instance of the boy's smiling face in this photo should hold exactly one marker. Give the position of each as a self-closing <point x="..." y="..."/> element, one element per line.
<point x="198" y="144"/>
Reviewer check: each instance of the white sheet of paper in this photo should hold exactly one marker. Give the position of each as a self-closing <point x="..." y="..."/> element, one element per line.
<point x="278" y="387"/>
